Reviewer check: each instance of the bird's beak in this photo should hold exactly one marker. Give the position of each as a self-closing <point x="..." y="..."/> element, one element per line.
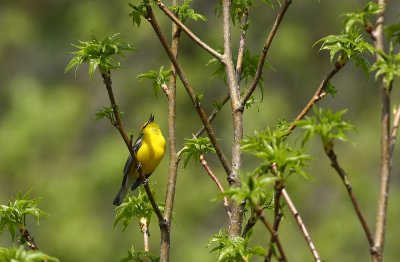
<point x="151" y="119"/>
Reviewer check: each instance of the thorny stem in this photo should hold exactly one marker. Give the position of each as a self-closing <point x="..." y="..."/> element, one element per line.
<point x="264" y="52"/>
<point x="184" y="28"/>
<point x="152" y="20"/>
<point x="216" y="181"/>
<point x="343" y="176"/>
<point x="173" y="157"/>
<point x="301" y="225"/>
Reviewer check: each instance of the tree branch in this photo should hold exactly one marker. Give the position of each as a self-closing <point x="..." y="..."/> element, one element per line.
<point x="264" y="52"/>
<point x="319" y="94"/>
<point x="377" y="250"/>
<point x="144" y="228"/>
<point x="242" y="44"/>
<point x="343" y="176"/>
<point x="216" y="181"/>
<point x="301" y="225"/>
<point x="277" y="215"/>
<point x="173" y="157"/>
<point x="184" y="28"/>
<point x="396" y="120"/>
<point x="152" y="20"/>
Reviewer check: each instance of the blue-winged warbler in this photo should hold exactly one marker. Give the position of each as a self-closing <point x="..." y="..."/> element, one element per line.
<point x="149" y="149"/>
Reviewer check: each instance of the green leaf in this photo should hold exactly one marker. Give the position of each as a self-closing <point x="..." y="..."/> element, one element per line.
<point x="393" y="33"/>
<point x="98" y="54"/>
<point x="194" y="148"/>
<point x="14" y="214"/>
<point x="138" y="11"/>
<point x="389" y="66"/>
<point x="330" y="89"/>
<point x="184" y="12"/>
<point x="159" y="78"/>
<point x="139" y="256"/>
<point x="21" y="255"/>
<point x="327" y="124"/>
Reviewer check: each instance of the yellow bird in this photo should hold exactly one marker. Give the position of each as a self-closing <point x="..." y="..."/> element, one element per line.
<point x="149" y="149"/>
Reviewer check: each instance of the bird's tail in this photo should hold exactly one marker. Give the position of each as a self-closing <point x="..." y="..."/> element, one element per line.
<point x="124" y="189"/>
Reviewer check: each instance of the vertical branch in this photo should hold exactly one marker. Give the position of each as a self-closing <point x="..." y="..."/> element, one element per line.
<point x="277" y="215"/>
<point x="377" y="251"/>
<point x="173" y="158"/>
<point x="235" y="223"/>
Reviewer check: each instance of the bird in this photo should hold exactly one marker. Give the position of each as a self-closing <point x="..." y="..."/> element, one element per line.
<point x="149" y="150"/>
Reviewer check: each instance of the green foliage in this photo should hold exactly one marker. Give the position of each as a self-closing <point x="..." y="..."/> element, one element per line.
<point x="388" y="66"/>
<point x="21" y="255"/>
<point x="184" y="12"/>
<point x="277" y="156"/>
<point x="159" y="78"/>
<point x="330" y="89"/>
<point x="327" y="124"/>
<point x="99" y="54"/>
<point x="239" y="8"/>
<point x="138" y="207"/>
<point x="253" y="188"/>
<point x="353" y="19"/>
<point x="195" y="147"/>
<point x="13" y="215"/>
<point x="393" y="33"/>
<point x="140" y="256"/>
<point x="138" y="11"/>
<point x="348" y="45"/>
<point x="107" y="112"/>
<point x="233" y="248"/>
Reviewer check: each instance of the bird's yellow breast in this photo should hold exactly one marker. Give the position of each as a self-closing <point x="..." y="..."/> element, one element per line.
<point x="152" y="149"/>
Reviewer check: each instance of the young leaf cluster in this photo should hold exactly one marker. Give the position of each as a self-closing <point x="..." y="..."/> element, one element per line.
<point x="21" y="255"/>
<point x="138" y="11"/>
<point x="327" y="124"/>
<point x="195" y="147"/>
<point x="183" y="12"/>
<point x="139" y="256"/>
<point x="99" y="54"/>
<point x="277" y="156"/>
<point x="353" y="19"/>
<point x="388" y="66"/>
<point x="159" y="78"/>
<point x="138" y="207"/>
<point x="233" y="248"/>
<point x="107" y="112"/>
<point x="12" y="216"/>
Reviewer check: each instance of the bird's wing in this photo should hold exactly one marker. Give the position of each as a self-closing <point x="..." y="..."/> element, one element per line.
<point x="129" y="161"/>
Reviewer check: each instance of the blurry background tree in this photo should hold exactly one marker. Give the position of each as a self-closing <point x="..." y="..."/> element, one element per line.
<point x="51" y="143"/>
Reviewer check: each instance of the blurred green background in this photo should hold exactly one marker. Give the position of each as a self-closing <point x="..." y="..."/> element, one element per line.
<point x="51" y="144"/>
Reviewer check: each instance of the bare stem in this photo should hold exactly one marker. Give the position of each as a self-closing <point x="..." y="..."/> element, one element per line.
<point x="264" y="52"/>
<point x="173" y="157"/>
<point x="319" y="94"/>
<point x="277" y="215"/>
<point x="144" y="228"/>
<point x="26" y="235"/>
<point x="260" y="214"/>
<point x="210" y="132"/>
<point x="184" y="28"/>
<point x="242" y="44"/>
<point x="301" y="225"/>
<point x="343" y="176"/>
<point x="377" y="251"/>
<point x="396" y="120"/>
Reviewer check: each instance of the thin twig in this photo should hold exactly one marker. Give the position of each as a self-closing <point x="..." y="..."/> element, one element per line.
<point x="260" y="214"/>
<point x="301" y="225"/>
<point x="210" y="132"/>
<point x="196" y="39"/>
<point x="343" y="176"/>
<point x="26" y="235"/>
<point x="242" y="44"/>
<point x="216" y="181"/>
<point x="277" y="215"/>
<point x="144" y="228"/>
<point x="319" y="94"/>
<point x="377" y="250"/>
<point x="173" y="157"/>
<point x="264" y="52"/>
